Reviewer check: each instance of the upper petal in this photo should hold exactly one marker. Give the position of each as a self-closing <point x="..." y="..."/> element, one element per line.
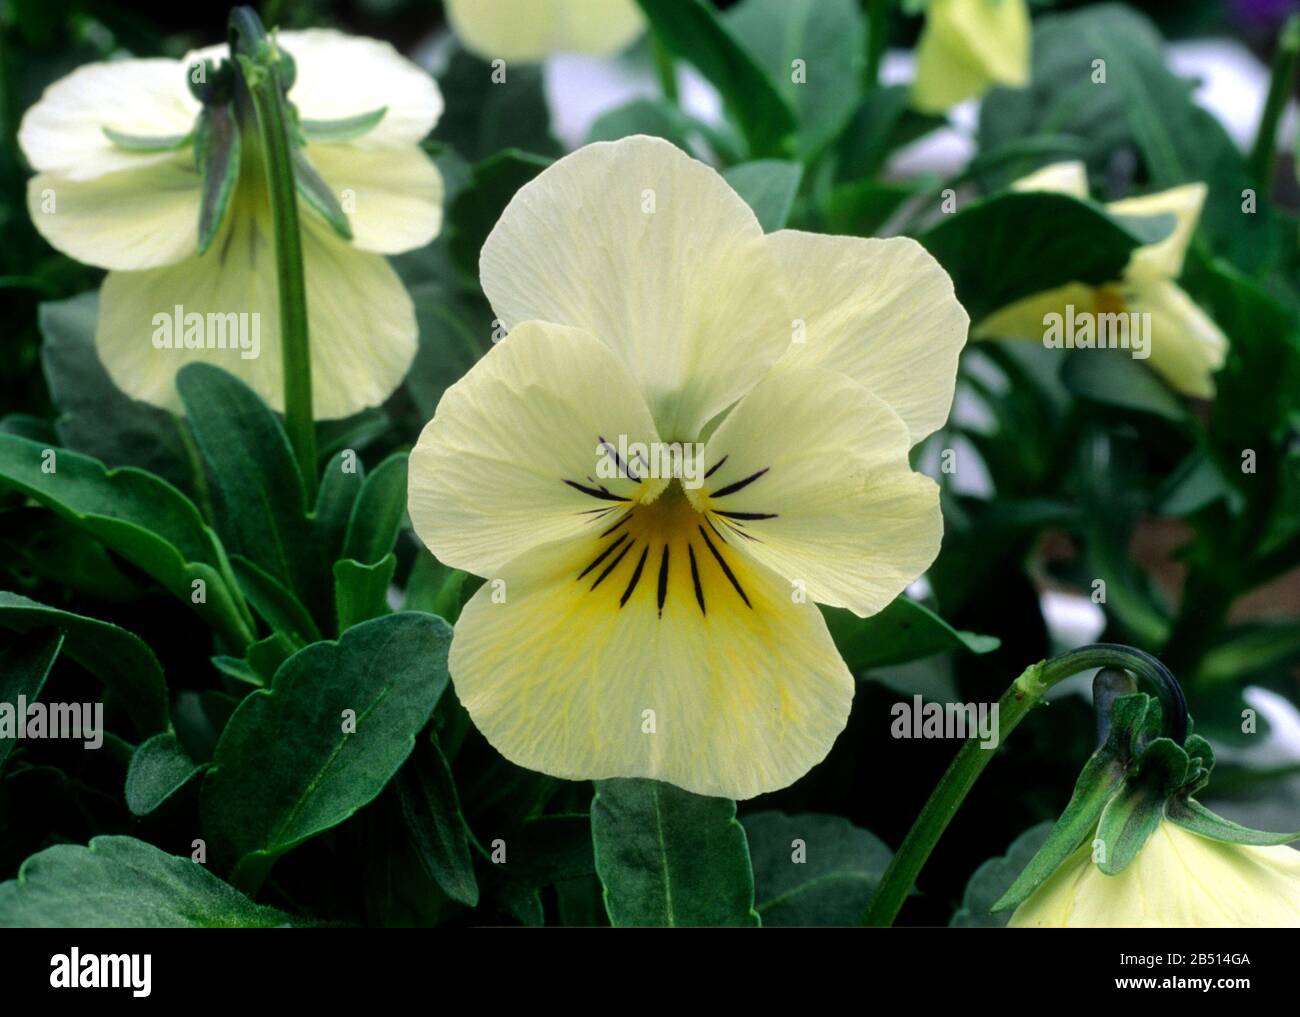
<point x="814" y="482"/>
<point x="1069" y="177"/>
<point x="511" y="459"/>
<point x="141" y="217"/>
<point x="508" y="30"/>
<point x="655" y="255"/>
<point x="968" y="45"/>
<point x="1187" y="347"/>
<point x="1164" y="258"/>
<point x="582" y="682"/>
<point x="361" y="321"/>
<point x="63" y="132"/>
<point x="392" y="197"/>
<point x="881" y="311"/>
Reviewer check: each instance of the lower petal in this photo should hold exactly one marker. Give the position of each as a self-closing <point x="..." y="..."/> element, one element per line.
<point x="1187" y="347"/>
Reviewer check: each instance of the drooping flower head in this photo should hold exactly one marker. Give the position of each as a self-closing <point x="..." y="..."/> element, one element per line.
<point x="967" y="47"/>
<point x="1186" y="346"/>
<point x="121" y="151"/>
<point x="510" y="30"/>
<point x="661" y="621"/>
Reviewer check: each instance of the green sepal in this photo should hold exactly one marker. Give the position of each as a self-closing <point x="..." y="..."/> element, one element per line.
<point x="342" y="129"/>
<point x="1097" y="785"/>
<point x="313" y="190"/>
<point x="1133" y="815"/>
<point x="266" y="655"/>
<point x="1193" y="816"/>
<point x="145" y="144"/>
<point x="216" y="153"/>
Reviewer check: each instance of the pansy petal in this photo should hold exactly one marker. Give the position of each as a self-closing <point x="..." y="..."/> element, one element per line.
<point x="1024" y="318"/>
<point x="512" y="459"/>
<point x="63" y="132"/>
<point x="392" y="197"/>
<point x="508" y="30"/>
<point x="968" y="45"/>
<point x="1164" y="259"/>
<point x="654" y="254"/>
<point x="814" y="482"/>
<point x="881" y="311"/>
<point x="1057" y="178"/>
<point x="361" y="321"/>
<point x="1187" y="347"/>
<point x="142" y="217"/>
<point x="633" y="679"/>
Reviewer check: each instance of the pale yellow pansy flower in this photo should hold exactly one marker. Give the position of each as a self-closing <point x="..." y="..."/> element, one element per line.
<point x="643" y="622"/>
<point x="529" y="30"/>
<point x="967" y="47"/>
<point x="1178" y="880"/>
<point x="1186" y="346"/>
<point x="136" y="213"/>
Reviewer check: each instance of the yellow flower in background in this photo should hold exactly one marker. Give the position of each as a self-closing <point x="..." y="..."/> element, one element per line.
<point x="1186" y="346"/>
<point x="105" y="196"/>
<point x="643" y="621"/>
<point x="529" y="30"/>
<point x="967" y="47"/>
<point x="1178" y="880"/>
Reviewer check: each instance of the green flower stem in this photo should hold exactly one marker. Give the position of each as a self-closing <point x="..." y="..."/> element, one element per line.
<point x="664" y="68"/>
<point x="1024" y="693"/>
<point x="1279" y="89"/>
<point x="261" y="79"/>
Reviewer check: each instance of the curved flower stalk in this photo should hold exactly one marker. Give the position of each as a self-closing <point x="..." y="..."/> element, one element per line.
<point x="967" y="47"/>
<point x="153" y="169"/>
<point x="1186" y="346"/>
<point x="510" y="30"/>
<point x="650" y="614"/>
<point x="1179" y="880"/>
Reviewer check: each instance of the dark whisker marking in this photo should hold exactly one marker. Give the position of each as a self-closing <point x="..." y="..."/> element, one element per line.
<point x="618" y="460"/>
<point x="606" y="533"/>
<point x="602" y="556"/>
<point x="739" y="484"/>
<point x="716" y="531"/>
<point x="612" y="565"/>
<point x="593" y="492"/>
<point x="695" y="578"/>
<point x="714" y="468"/>
<point x="663" y="580"/>
<point x="636" y="576"/>
<point x="746" y="515"/>
<point x="739" y="532"/>
<point x="598" y="512"/>
<point x="726" y="569"/>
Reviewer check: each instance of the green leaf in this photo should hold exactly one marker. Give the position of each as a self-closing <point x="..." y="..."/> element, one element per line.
<point x="994" y="878"/>
<point x="431" y="810"/>
<point x="124" y="883"/>
<point x="692" y="30"/>
<point x="1250" y="649"/>
<point x="812" y="869"/>
<point x="118" y="658"/>
<point x="1192" y="815"/>
<point x="142" y="518"/>
<point x="902" y="632"/>
<point x="769" y="187"/>
<point x="361" y="591"/>
<point x="829" y="37"/>
<point x="654" y="117"/>
<point x="145" y="144"/>
<point x="24" y="666"/>
<point x="288" y="767"/>
<point x="434" y="588"/>
<point x="95" y="417"/>
<point x="279" y="608"/>
<point x="378" y="512"/>
<point x="342" y="129"/>
<point x="1132" y="815"/>
<point x="478" y="207"/>
<point x="667" y="857"/>
<point x="159" y="769"/>
<point x="1000" y="249"/>
<point x="483" y="116"/>
<point x="217" y="153"/>
<point x="1113" y="378"/>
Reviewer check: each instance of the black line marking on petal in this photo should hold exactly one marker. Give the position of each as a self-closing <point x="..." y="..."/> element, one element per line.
<point x="610" y="567"/>
<point x="714" y="468"/>
<point x="733" y="488"/>
<point x="598" y="512"/>
<point x="602" y="556"/>
<point x="746" y="515"/>
<point x="625" y="518"/>
<point x="716" y="532"/>
<point x="594" y="492"/>
<point x="695" y="578"/>
<point x="623" y="468"/>
<point x="636" y="576"/>
<point x="663" y="580"/>
<point x="726" y="569"/>
<point x="740" y="532"/>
